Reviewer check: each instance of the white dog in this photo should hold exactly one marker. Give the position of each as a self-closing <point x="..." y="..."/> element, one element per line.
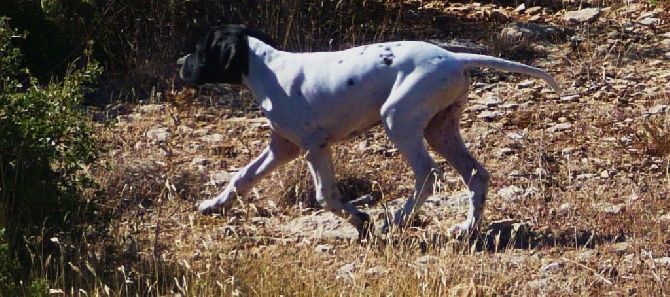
<point x="417" y="90"/>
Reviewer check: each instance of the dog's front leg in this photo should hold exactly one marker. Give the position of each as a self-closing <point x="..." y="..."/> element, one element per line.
<point x="328" y="195"/>
<point x="278" y="152"/>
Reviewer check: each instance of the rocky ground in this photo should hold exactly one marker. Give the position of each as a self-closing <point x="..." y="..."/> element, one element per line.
<point x="579" y="195"/>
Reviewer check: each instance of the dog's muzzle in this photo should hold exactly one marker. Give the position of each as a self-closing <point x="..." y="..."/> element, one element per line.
<point x="186" y="71"/>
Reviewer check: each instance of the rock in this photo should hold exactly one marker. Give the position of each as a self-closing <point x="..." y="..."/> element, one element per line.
<point x="552" y="267"/>
<point x="504" y="152"/>
<point x="533" y="10"/>
<point x="499" y="15"/>
<point x="323" y="248"/>
<point x="199" y="161"/>
<point x="425" y="260"/>
<point x="521" y="30"/>
<point x="510" y="106"/>
<point x="213" y="138"/>
<point x="363" y="145"/>
<point x="220" y="177"/>
<point x="517" y="135"/>
<point x="582" y="16"/>
<point x="620" y="248"/>
<point x="608" y="207"/>
<point x="510" y="192"/>
<point x="525" y="84"/>
<point x="542" y="284"/>
<point x="346" y="271"/>
<point x="605" y="174"/>
<point x="520" y="8"/>
<point x="158" y="134"/>
<point x="584" y="176"/>
<point x="152" y="109"/>
<point x="200" y="132"/>
<point x="570" y="98"/>
<point x="477" y="107"/>
<point x="660" y="108"/>
<point x="490" y="115"/>
<point x="650" y="21"/>
<point x="559" y="127"/>
<point x="587" y="255"/>
<point x="565" y="206"/>
<point x="377" y="271"/>
<point x="663" y="261"/>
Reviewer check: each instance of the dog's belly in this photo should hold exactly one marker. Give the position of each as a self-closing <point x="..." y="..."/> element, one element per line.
<point x="351" y="113"/>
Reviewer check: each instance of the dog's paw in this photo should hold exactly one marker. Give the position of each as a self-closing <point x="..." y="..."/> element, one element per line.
<point x="364" y="226"/>
<point x="208" y="207"/>
<point x="463" y="229"/>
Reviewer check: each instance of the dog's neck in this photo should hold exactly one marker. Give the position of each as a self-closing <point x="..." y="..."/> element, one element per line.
<point x="261" y="77"/>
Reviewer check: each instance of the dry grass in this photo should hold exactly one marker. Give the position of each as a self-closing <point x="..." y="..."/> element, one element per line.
<point x="593" y="204"/>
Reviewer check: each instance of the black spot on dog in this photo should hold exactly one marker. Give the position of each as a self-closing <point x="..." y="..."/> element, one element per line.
<point x="387" y="58"/>
<point x="362" y="52"/>
<point x="350" y="82"/>
<point x="265" y="54"/>
<point x="388" y="48"/>
<point x="399" y="44"/>
<point x="339" y="62"/>
<point x="381" y="45"/>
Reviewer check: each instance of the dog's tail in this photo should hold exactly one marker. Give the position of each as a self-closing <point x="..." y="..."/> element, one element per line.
<point x="474" y="60"/>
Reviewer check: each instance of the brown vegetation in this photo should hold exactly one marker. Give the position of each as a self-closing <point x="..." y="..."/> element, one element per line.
<point x="579" y="194"/>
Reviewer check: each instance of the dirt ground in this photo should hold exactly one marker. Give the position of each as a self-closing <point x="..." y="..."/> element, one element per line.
<point x="578" y="203"/>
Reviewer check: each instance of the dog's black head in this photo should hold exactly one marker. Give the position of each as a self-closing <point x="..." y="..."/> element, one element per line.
<point x="221" y="57"/>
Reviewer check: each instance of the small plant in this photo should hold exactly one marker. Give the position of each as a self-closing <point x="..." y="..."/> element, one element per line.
<point x="656" y="136"/>
<point x="45" y="143"/>
<point x="8" y="267"/>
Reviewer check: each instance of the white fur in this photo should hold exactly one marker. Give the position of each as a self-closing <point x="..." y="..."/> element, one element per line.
<point x="312" y="100"/>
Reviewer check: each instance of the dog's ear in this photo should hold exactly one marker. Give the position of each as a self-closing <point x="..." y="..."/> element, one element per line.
<point x="228" y="47"/>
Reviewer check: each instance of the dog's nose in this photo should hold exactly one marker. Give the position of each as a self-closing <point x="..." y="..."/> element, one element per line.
<point x="185" y="71"/>
<point x="182" y="60"/>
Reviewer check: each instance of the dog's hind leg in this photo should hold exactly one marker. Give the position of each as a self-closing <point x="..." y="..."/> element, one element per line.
<point x="328" y="195"/>
<point x="443" y="135"/>
<point x="404" y="124"/>
<point x="279" y="152"/>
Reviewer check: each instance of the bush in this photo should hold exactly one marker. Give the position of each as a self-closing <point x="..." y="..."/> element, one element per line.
<point x="45" y="142"/>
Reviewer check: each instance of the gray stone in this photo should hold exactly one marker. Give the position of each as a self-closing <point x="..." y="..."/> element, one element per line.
<point x="490" y="115"/>
<point x="583" y="15"/>
<point x="510" y="192"/>
<point x="660" y="108"/>
<point x="521" y="30"/>
<point x="552" y="267"/>
<point x="559" y="127"/>
<point x="346" y="271"/>
<point x="323" y="248"/>
<point x="158" y="134"/>
<point x="663" y="261"/>
<point x="650" y="21"/>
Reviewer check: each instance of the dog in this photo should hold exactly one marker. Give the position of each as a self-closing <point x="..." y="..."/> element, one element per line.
<point x="416" y="90"/>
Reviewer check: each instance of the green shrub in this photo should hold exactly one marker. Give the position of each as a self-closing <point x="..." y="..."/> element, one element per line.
<point x="8" y="267"/>
<point x="45" y="142"/>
